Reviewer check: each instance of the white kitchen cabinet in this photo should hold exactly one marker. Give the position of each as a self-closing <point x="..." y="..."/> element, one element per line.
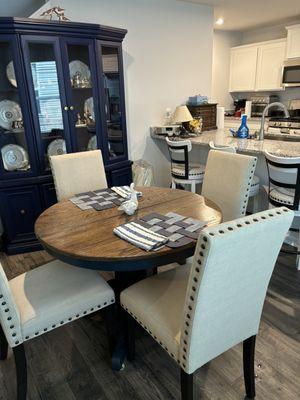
<point x="243" y="68"/>
<point x="293" y="41"/>
<point x="269" y="65"/>
<point x="257" y="67"/>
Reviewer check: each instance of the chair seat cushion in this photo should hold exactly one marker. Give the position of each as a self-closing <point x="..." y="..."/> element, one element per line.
<point x="254" y="188"/>
<point x="283" y="196"/>
<point x="157" y="304"/>
<point x="196" y="171"/>
<point x="55" y="294"/>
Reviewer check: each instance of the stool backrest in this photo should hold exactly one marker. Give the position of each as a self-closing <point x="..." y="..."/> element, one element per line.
<point x="227" y="182"/>
<point x="231" y="270"/>
<point x="179" y="155"/>
<point x="77" y="173"/>
<point x="284" y="172"/>
<point x="227" y="149"/>
<point x="9" y="314"/>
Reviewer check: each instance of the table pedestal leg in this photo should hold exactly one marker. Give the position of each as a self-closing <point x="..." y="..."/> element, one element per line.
<point x="122" y="281"/>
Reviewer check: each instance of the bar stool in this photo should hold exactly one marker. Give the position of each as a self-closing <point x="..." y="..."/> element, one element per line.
<point x="284" y="189"/>
<point x="184" y="173"/>
<point x="255" y="184"/>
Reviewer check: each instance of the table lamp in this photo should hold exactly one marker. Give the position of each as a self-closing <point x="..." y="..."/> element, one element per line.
<point x="182" y="115"/>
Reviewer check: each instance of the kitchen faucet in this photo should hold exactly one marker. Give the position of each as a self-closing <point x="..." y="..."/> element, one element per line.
<point x="262" y="125"/>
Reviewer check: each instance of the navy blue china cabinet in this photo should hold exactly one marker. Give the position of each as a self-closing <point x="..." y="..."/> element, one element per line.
<point x="61" y="91"/>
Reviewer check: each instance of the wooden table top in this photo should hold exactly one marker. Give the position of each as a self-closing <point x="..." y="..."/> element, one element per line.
<point x="72" y="234"/>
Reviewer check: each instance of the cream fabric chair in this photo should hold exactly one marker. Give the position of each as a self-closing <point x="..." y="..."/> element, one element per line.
<point x="196" y="312"/>
<point x="255" y="184"/>
<point x="43" y="299"/>
<point x="227" y="182"/>
<point x="183" y="172"/>
<point x="77" y="173"/>
<point x="284" y="190"/>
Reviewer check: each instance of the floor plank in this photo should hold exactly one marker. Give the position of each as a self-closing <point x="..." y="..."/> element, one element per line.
<point x="72" y="362"/>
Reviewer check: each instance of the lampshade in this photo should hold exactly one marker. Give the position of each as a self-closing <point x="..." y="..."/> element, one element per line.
<point x="182" y="114"/>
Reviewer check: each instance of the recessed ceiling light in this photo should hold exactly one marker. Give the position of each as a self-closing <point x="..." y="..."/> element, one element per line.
<point x="220" y="21"/>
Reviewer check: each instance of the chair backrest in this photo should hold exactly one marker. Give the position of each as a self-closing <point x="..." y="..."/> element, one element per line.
<point x="77" y="173"/>
<point x="284" y="172"/>
<point x="227" y="182"/>
<point x="231" y="270"/>
<point x="9" y="314"/>
<point x="227" y="149"/>
<point x="179" y="155"/>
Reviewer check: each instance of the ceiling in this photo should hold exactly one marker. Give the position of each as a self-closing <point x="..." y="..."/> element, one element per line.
<point x="243" y="15"/>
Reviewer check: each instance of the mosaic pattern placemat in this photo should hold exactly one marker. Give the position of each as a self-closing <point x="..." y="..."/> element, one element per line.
<point x="179" y="230"/>
<point x="98" y="200"/>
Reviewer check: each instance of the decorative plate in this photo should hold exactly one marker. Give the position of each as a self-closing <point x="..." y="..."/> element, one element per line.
<point x="92" y="144"/>
<point x="89" y="107"/>
<point x="10" y="111"/>
<point x="10" y="73"/>
<point x="57" y="147"/>
<point x="14" y="157"/>
<point x="78" y="67"/>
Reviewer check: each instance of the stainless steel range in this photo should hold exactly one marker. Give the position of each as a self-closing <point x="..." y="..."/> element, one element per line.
<point x="285" y="127"/>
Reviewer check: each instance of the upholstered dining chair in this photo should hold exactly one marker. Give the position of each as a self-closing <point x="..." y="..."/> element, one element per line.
<point x="41" y="300"/>
<point x="77" y="173"/>
<point x="227" y="182"/>
<point x="284" y="190"/>
<point x="183" y="172"/>
<point x="255" y="184"/>
<point x="197" y="312"/>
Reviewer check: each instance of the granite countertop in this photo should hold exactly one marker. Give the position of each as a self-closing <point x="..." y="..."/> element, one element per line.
<point x="222" y="137"/>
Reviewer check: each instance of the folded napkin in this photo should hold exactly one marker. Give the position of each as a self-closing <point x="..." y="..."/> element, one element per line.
<point x="140" y="236"/>
<point x="124" y="191"/>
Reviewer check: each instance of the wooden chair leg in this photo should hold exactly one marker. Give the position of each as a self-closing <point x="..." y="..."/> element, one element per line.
<point x="130" y="337"/>
<point x="3" y="345"/>
<point x="21" y="370"/>
<point x="186" y="386"/>
<point x="248" y="359"/>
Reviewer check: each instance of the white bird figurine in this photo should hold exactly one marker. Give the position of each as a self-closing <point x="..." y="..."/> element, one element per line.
<point x="130" y="206"/>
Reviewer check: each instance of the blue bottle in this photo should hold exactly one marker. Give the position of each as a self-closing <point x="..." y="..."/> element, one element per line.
<point x="243" y="131"/>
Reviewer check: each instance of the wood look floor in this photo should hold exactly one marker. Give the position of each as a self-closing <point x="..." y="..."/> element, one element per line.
<point x="72" y="362"/>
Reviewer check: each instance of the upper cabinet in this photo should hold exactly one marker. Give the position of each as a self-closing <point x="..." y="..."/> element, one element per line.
<point x="293" y="41"/>
<point x="257" y="67"/>
<point x="243" y="68"/>
<point x="269" y="65"/>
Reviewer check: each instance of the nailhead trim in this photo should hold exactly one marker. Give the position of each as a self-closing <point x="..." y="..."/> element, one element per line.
<point x="150" y="333"/>
<point x="6" y="310"/>
<point x="63" y="322"/>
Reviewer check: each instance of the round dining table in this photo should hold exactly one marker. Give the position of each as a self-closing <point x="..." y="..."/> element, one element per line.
<point x="85" y="238"/>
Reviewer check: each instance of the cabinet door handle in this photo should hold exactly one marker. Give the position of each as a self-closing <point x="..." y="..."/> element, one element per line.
<point x="22" y="212"/>
<point x="66" y="108"/>
<point x="71" y="108"/>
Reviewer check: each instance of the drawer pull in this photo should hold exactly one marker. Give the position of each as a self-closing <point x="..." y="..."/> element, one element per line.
<point x="23" y="212"/>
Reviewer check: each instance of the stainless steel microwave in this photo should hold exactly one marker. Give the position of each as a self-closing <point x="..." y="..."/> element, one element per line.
<point x="291" y="73"/>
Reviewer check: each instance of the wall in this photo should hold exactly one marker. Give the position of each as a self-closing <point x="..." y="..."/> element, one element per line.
<point x="222" y="42"/>
<point x="167" y="57"/>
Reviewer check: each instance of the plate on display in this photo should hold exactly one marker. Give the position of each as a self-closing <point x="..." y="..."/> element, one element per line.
<point x="57" y="147"/>
<point x="92" y="144"/>
<point x="77" y="67"/>
<point x="10" y="111"/>
<point x="14" y="157"/>
<point x="10" y="73"/>
<point x="89" y="107"/>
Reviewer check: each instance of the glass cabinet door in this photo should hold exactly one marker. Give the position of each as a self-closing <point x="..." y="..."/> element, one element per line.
<point x="14" y="144"/>
<point x="48" y="97"/>
<point x="114" y="102"/>
<point x="82" y="93"/>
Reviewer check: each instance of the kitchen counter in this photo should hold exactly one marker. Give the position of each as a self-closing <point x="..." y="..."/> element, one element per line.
<point x="223" y="137"/>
